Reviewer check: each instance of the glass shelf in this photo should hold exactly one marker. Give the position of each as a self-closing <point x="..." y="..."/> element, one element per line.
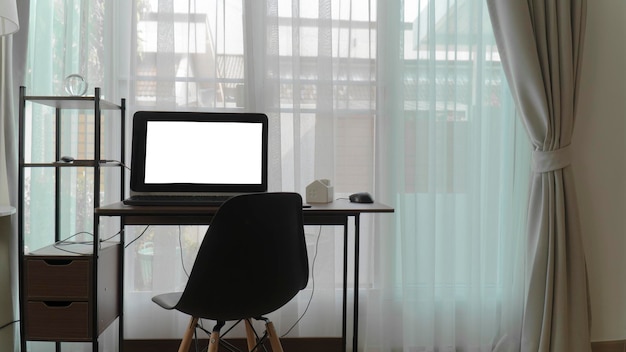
<point x="82" y="163"/>
<point x="72" y="102"/>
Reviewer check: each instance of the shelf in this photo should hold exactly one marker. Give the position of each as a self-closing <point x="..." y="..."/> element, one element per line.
<point x="72" y="102"/>
<point x="72" y="291"/>
<point x="69" y="249"/>
<point x="80" y="163"/>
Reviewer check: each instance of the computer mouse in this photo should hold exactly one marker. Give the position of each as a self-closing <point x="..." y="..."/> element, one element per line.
<point x="361" y="197"/>
<point x="67" y="159"/>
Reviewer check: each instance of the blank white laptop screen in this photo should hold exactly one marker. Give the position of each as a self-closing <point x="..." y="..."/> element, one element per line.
<point x="175" y="152"/>
<point x="203" y="153"/>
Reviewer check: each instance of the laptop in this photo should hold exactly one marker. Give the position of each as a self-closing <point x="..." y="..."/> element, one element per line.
<point x="196" y="158"/>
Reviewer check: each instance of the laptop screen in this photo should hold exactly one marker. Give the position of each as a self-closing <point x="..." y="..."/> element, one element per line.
<point x="199" y="152"/>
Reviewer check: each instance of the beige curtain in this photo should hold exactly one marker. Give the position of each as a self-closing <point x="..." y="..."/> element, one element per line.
<point x="540" y="43"/>
<point x="7" y="293"/>
<point x="12" y="66"/>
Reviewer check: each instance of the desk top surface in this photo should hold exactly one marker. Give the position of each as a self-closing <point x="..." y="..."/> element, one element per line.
<point x="337" y="207"/>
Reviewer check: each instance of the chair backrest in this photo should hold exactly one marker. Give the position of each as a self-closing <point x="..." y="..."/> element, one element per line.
<point x="252" y="261"/>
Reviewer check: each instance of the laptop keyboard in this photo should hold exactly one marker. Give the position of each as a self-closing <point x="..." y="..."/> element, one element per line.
<point x="204" y="200"/>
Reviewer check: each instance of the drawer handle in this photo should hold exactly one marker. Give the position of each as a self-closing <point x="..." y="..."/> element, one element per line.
<point x="57" y="304"/>
<point x="58" y="262"/>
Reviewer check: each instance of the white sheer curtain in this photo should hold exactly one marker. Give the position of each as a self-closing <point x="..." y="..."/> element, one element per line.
<point x="295" y="62"/>
<point x="404" y="99"/>
<point x="450" y="274"/>
<point x="308" y="65"/>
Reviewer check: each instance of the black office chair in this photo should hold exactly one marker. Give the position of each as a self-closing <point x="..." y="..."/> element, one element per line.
<point x="252" y="261"/>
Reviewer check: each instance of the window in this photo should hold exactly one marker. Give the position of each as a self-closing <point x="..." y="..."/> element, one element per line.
<point x="405" y="99"/>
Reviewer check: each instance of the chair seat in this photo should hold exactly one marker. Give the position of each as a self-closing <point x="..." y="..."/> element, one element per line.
<point x="167" y="300"/>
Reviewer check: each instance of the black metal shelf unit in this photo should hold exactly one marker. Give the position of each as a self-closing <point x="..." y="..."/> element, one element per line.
<point x="38" y="300"/>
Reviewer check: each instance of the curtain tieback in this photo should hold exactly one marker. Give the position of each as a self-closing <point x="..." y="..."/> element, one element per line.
<point x="551" y="160"/>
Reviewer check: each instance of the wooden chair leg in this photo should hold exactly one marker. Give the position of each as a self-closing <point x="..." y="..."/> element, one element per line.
<point x="214" y="341"/>
<point x="188" y="337"/>
<point x="274" y="341"/>
<point x="250" y="336"/>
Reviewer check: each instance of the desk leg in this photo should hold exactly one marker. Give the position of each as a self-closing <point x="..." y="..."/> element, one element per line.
<point x="120" y="285"/>
<point x="345" y="286"/>
<point x="355" y="334"/>
<point x="94" y="281"/>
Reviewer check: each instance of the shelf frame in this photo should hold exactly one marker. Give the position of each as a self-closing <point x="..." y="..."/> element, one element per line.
<point x="60" y="103"/>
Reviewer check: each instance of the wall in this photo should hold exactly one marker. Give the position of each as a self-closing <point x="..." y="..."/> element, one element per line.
<point x="600" y="165"/>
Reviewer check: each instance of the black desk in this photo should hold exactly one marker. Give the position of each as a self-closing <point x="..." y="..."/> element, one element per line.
<point x="335" y="213"/>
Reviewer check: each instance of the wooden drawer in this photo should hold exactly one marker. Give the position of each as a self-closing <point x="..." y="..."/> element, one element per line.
<point x="58" y="321"/>
<point x="57" y="278"/>
<point x="60" y="301"/>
